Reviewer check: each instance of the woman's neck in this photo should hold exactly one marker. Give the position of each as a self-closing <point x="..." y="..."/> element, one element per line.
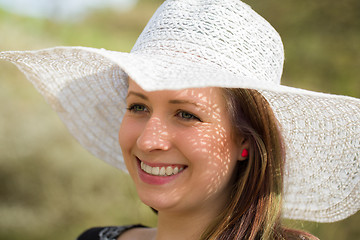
<point x="185" y="225"/>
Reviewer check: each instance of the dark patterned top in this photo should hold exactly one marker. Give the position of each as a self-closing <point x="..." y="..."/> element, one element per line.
<point x="106" y="233"/>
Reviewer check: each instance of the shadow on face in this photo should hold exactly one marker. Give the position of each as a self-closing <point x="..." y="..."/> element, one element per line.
<point x="185" y="129"/>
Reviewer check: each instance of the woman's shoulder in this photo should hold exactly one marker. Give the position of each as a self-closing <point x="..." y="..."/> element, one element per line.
<point x="107" y="233"/>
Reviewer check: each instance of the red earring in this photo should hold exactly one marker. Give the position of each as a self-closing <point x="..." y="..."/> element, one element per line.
<point x="245" y="153"/>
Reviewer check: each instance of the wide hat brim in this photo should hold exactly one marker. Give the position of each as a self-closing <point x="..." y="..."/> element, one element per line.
<point x="87" y="88"/>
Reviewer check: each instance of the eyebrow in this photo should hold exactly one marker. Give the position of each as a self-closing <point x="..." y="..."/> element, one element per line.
<point x="184" y="102"/>
<point x="137" y="94"/>
<point x="174" y="101"/>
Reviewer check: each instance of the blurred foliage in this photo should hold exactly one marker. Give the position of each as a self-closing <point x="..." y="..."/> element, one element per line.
<point x="50" y="188"/>
<point x="321" y="41"/>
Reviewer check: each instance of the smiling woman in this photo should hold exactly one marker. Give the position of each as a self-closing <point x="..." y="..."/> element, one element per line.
<point x="187" y="130"/>
<point x="210" y="138"/>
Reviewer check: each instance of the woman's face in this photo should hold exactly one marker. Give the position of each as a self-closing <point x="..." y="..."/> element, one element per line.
<point x="178" y="147"/>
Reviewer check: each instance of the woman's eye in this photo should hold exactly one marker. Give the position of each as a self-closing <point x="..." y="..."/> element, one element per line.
<point x="187" y="116"/>
<point x="137" y="108"/>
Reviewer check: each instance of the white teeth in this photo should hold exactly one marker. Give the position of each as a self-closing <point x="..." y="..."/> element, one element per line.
<point x="155" y="171"/>
<point x="169" y="171"/>
<point x="148" y="169"/>
<point x="160" y="171"/>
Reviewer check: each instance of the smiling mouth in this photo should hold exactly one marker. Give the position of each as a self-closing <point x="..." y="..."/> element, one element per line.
<point x="162" y="171"/>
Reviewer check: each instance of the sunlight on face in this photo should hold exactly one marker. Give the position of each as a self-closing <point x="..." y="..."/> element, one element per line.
<point x="178" y="147"/>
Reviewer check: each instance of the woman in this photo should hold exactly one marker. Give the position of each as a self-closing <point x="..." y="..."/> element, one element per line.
<point x="207" y="133"/>
<point x="188" y="154"/>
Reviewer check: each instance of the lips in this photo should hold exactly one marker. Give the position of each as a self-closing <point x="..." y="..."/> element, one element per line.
<point x="161" y="170"/>
<point x="158" y="174"/>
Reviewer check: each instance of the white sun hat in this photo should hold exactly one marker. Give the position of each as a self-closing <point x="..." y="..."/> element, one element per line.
<point x="201" y="43"/>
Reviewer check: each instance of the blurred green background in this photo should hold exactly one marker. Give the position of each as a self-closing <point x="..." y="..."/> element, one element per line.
<point x="50" y="188"/>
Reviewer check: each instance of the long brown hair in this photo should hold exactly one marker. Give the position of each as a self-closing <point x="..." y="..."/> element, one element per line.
<point x="254" y="207"/>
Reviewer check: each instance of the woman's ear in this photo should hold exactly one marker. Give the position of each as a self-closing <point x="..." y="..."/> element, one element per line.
<point x="244" y="150"/>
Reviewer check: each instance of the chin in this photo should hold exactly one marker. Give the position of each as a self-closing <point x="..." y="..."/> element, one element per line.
<point x="158" y="201"/>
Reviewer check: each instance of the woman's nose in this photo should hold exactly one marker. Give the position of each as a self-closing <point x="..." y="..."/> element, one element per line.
<point x="155" y="136"/>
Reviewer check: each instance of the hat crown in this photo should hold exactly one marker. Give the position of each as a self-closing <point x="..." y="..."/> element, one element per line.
<point x="226" y="34"/>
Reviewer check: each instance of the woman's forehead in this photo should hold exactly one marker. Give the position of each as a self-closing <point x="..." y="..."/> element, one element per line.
<point x="207" y="94"/>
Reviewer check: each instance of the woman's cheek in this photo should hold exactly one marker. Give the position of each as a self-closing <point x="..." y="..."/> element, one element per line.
<point x="208" y="145"/>
<point x="123" y="132"/>
<point x="128" y="134"/>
